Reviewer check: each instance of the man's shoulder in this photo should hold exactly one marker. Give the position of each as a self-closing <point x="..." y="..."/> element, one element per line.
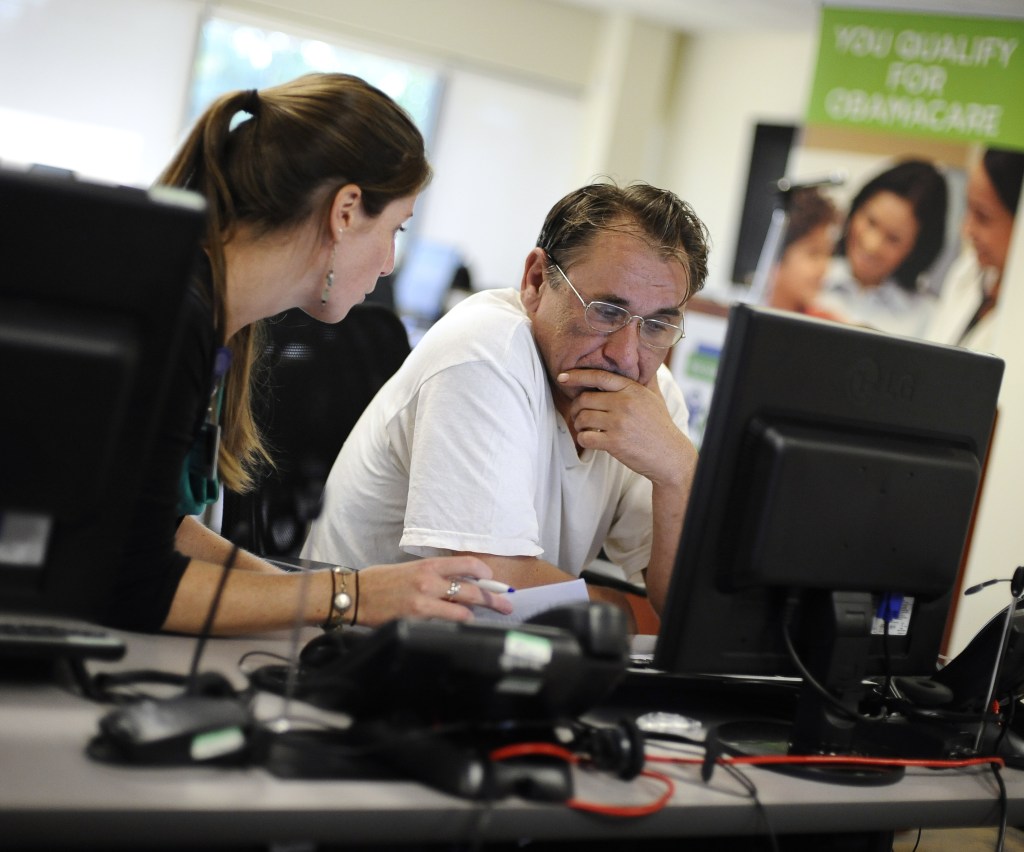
<point x="485" y="325"/>
<point x="497" y="302"/>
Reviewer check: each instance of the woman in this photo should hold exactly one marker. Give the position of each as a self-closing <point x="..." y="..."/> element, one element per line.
<point x="894" y="231"/>
<point x="305" y="195"/>
<point x="966" y="307"/>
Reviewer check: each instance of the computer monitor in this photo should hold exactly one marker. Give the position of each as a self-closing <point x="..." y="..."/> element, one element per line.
<point x="92" y="285"/>
<point x="422" y="282"/>
<point x="836" y="482"/>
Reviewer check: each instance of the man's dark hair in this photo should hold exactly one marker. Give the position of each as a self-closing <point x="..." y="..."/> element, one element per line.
<point x="657" y="216"/>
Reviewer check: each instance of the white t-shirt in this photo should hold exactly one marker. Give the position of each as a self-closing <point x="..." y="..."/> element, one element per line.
<point x="887" y="307"/>
<point x="463" y="450"/>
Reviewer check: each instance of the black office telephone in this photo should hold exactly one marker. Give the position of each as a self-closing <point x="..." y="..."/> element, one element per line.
<point x="556" y="665"/>
<point x="432" y="699"/>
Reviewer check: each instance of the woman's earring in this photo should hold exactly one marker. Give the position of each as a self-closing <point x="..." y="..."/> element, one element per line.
<point x="329" y="281"/>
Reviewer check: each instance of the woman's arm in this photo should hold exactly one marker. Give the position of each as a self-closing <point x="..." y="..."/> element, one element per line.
<point x="261" y="597"/>
<point x="200" y="542"/>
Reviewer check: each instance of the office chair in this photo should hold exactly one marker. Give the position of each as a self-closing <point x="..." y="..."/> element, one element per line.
<point x="319" y="379"/>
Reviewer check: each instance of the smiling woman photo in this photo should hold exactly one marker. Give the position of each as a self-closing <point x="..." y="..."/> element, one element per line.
<point x="894" y="231"/>
<point x="971" y="292"/>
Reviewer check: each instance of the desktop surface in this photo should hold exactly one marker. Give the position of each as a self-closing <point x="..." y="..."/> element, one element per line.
<point x="52" y="794"/>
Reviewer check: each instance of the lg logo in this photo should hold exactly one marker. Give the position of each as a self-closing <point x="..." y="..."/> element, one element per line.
<point x="868" y="380"/>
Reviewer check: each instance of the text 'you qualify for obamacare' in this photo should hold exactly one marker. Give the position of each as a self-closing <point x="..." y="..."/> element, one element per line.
<point x="918" y="79"/>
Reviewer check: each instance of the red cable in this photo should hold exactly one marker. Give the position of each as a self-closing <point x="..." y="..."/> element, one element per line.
<point x="631" y="810"/>
<point x="530" y="749"/>
<point x="552" y="750"/>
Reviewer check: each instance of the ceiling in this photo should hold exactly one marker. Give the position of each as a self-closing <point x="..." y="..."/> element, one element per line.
<point x="783" y="15"/>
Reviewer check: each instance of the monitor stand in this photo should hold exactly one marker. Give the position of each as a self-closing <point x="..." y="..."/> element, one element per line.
<point x="835" y="636"/>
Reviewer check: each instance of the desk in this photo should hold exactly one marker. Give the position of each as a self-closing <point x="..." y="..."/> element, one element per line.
<point x="52" y="795"/>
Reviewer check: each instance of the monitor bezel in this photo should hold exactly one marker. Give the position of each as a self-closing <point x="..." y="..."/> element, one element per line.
<point x="93" y="283"/>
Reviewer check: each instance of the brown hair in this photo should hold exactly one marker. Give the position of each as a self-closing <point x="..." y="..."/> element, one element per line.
<point x="662" y="218"/>
<point x="275" y="170"/>
<point x="1005" y="170"/>
<point x="808" y="209"/>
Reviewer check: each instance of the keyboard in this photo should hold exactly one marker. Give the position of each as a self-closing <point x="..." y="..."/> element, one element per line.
<point x="45" y="637"/>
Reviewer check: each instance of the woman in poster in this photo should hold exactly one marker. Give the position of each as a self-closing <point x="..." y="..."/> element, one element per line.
<point x="966" y="307"/>
<point x="894" y="230"/>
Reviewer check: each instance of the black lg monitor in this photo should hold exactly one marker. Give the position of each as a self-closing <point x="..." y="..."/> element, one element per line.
<point x="92" y="284"/>
<point x="829" y="513"/>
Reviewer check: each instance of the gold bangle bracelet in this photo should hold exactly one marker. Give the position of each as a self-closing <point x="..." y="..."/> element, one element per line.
<point x="355" y="608"/>
<point x="341" y="601"/>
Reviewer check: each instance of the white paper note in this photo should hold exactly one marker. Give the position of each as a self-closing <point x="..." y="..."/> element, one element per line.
<point x="528" y="602"/>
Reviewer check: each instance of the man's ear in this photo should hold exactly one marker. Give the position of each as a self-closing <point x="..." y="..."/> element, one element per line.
<point x="345" y="207"/>
<point x="533" y="278"/>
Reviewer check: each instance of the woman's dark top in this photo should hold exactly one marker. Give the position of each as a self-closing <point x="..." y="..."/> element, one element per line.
<point x="151" y="568"/>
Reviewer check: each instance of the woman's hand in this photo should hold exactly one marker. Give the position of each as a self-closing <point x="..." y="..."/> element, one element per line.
<point x="421" y="589"/>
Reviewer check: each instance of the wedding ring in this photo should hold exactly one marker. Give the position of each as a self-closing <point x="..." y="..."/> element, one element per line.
<point x="453" y="590"/>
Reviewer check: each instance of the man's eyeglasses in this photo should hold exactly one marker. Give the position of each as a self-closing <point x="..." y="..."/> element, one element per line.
<point x="606" y="318"/>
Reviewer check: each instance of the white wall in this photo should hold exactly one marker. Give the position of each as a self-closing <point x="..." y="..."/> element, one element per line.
<point x="108" y="76"/>
<point x="998" y="544"/>
<point x="726" y="84"/>
<point x="491" y="134"/>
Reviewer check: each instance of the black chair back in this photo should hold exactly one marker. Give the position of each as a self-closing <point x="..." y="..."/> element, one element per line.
<point x="320" y="378"/>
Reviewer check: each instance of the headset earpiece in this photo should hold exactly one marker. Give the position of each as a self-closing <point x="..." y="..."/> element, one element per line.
<point x="618" y="749"/>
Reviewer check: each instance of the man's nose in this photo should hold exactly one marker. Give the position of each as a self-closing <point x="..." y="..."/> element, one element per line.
<point x="622" y="347"/>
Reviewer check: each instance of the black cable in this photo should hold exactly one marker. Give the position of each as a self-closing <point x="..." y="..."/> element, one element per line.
<point x="211" y="613"/>
<point x="596" y="578"/>
<point x="736" y="772"/>
<point x="83" y="681"/>
<point x="1003" y="807"/>
<point x="479" y="829"/>
<point x="100" y="687"/>
<point x="810" y="679"/>
<point x="1011" y="712"/>
<point x="283" y="659"/>
<point x="762" y="811"/>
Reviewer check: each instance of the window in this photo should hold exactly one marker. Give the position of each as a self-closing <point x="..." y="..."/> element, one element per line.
<point x="233" y="55"/>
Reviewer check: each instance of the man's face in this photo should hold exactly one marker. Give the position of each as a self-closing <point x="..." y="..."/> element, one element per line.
<point x="618" y="268"/>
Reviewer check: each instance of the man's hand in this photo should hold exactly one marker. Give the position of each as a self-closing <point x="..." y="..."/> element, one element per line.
<point x="632" y="423"/>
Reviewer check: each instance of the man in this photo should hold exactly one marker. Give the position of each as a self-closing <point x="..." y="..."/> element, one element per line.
<point x="534" y="428"/>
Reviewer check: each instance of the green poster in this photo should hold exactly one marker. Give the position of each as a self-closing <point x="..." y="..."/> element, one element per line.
<point x="959" y="79"/>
